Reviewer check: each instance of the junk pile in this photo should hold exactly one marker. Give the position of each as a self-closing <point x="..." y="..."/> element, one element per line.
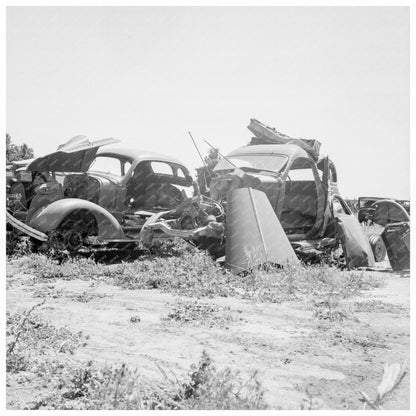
<point x="274" y="201"/>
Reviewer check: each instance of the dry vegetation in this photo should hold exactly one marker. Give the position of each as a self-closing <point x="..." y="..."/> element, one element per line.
<point x="40" y="353"/>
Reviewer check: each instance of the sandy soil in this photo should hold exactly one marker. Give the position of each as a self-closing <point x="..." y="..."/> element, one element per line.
<point x="286" y="343"/>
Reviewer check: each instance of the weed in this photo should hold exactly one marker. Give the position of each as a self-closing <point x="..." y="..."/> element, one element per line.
<point x="171" y="248"/>
<point x="329" y="310"/>
<point x="47" y="268"/>
<point x="193" y="273"/>
<point x="17" y="245"/>
<point x="29" y="336"/>
<point x="211" y="389"/>
<point x="294" y="282"/>
<point x="16" y="362"/>
<point x="373" y="305"/>
<point x="199" y="313"/>
<point x="122" y="388"/>
<point x="350" y="339"/>
<point x="312" y="402"/>
<point x="47" y="292"/>
<point x="84" y="297"/>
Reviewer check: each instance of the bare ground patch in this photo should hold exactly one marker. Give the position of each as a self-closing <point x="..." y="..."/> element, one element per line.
<point x="318" y="350"/>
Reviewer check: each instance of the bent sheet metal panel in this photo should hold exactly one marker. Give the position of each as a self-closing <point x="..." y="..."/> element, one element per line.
<point x="254" y="233"/>
<point x="49" y="217"/>
<point x="76" y="155"/>
<point x="387" y="212"/>
<point x="354" y="242"/>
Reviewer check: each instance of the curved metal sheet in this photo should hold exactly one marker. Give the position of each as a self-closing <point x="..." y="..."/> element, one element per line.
<point x="76" y="155"/>
<point x="387" y="211"/>
<point x="355" y="244"/>
<point x="60" y="161"/>
<point x="254" y="233"/>
<point x="49" y="217"/>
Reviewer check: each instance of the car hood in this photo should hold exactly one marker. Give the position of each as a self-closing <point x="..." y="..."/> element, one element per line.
<point x="76" y="155"/>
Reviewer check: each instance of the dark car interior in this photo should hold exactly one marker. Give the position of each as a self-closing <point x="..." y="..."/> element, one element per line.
<point x="152" y="185"/>
<point x="300" y="206"/>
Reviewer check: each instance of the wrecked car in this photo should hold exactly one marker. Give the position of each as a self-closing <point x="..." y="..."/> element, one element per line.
<point x="90" y="197"/>
<point x="274" y="201"/>
<point x="366" y="207"/>
<point x="395" y="219"/>
<point x="302" y="190"/>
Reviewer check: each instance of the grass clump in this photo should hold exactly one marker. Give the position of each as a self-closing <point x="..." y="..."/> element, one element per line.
<point x="373" y="305"/>
<point x="29" y="336"/>
<point x="47" y="268"/>
<point x="187" y="271"/>
<point x="122" y="388"/>
<point x="191" y="274"/>
<point x="295" y="282"/>
<point x="200" y="314"/>
<point x="17" y="245"/>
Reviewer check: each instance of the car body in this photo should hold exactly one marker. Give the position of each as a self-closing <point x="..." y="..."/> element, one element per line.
<point x="366" y="206"/>
<point x="302" y="189"/>
<point x="89" y="194"/>
<point x="93" y="196"/>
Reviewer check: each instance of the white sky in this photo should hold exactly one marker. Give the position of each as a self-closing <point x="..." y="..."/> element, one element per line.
<point x="147" y="75"/>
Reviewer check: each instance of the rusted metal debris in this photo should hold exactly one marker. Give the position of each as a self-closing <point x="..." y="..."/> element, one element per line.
<point x="273" y="201"/>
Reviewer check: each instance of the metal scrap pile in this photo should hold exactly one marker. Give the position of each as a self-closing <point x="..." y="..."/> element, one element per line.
<point x="274" y="201"/>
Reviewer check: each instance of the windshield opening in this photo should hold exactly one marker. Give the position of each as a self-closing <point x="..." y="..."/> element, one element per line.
<point x="273" y="162"/>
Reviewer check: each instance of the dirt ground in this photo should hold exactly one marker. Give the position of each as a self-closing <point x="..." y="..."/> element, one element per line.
<point x="293" y="351"/>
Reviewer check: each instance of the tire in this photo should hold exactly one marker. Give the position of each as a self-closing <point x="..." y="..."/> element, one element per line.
<point x="75" y="228"/>
<point x="378" y="247"/>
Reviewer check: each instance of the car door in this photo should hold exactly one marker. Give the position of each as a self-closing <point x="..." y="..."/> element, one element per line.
<point x="355" y="244"/>
<point x="323" y="166"/>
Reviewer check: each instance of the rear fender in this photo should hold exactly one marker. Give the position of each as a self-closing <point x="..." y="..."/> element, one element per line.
<point x="49" y="217"/>
<point x="388" y="212"/>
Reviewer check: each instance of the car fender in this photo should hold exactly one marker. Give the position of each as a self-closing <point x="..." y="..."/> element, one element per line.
<point x="388" y="212"/>
<point x="49" y="217"/>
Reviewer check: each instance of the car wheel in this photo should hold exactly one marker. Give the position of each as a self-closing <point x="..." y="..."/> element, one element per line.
<point x="75" y="229"/>
<point x="378" y="247"/>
